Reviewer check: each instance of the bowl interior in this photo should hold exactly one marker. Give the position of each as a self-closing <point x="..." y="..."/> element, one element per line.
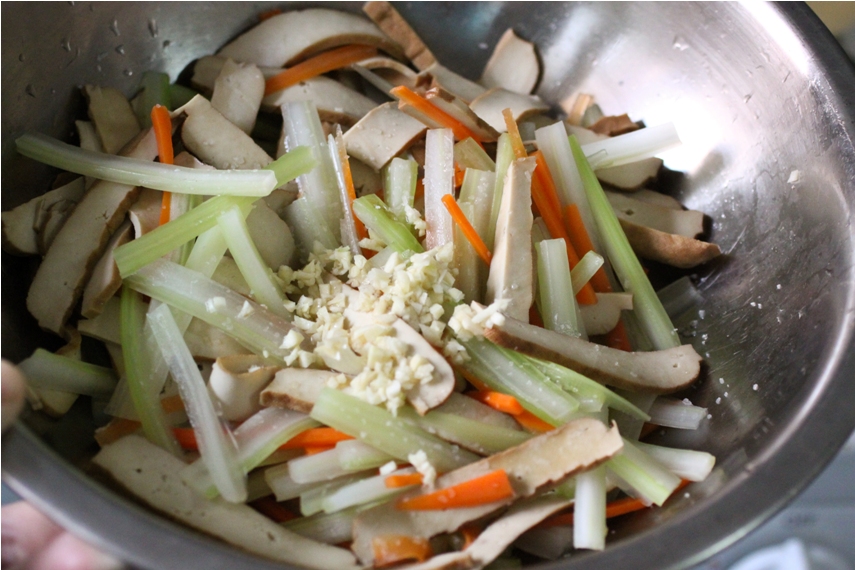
<point x="754" y="93"/>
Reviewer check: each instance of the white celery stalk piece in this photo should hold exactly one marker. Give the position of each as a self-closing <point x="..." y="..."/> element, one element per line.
<point x="329" y="528"/>
<point x="311" y="501"/>
<point x="556" y="292"/>
<point x="687" y="464"/>
<point x="467" y="262"/>
<point x="590" y="263"/>
<point x="589" y="510"/>
<point x="504" y="158"/>
<point x="377" y="217"/>
<point x="470" y="154"/>
<point x="258" y="276"/>
<point x="439" y="181"/>
<point x="632" y="146"/>
<point x="476" y="201"/>
<point x="338" y="158"/>
<point x="284" y="487"/>
<point x="355" y="455"/>
<point x="48" y="371"/>
<point x="362" y="492"/>
<point x="323" y="466"/>
<point x="216" y="447"/>
<point x="648" y="477"/>
<point x="647" y="306"/>
<point x="399" y="185"/>
<point x="482" y="438"/>
<point x="670" y="412"/>
<point x="679" y="296"/>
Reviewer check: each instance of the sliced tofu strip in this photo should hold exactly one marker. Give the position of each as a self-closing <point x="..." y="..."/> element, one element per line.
<point x="336" y="103"/>
<point x="105" y="326"/>
<point x="153" y="475"/>
<point x="236" y="382"/>
<point x="511" y="275"/>
<point x="392" y="71"/>
<point x="296" y="388"/>
<point x="661" y="371"/>
<point x="66" y="268"/>
<point x="441" y="76"/>
<point x="105" y="279"/>
<point x="603" y="316"/>
<point x="22" y="224"/>
<point x="670" y="249"/>
<point x="513" y="65"/>
<point x="228" y="273"/>
<point x="381" y="135"/>
<point x="210" y="343"/>
<point x="289" y="37"/>
<point x="238" y="91"/>
<point x="144" y="214"/>
<point x="614" y="125"/>
<point x="114" y="119"/>
<point x="687" y="223"/>
<point x="657" y="198"/>
<point x="217" y="141"/>
<point x="549" y="458"/>
<point x="489" y="107"/>
<point x="631" y="176"/>
<point x="52" y="220"/>
<point x="393" y="25"/>
<point x="455" y="107"/>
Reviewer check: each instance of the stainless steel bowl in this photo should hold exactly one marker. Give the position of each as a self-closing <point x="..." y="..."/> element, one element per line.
<point x="763" y="99"/>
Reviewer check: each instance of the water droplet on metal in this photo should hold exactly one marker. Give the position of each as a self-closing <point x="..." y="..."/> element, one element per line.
<point x="120" y="49"/>
<point x="65" y="44"/>
<point x="152" y="27"/>
<point x="30" y="90"/>
<point x="128" y="72"/>
<point x="166" y="44"/>
<point x="114" y="27"/>
<point x="101" y="56"/>
<point x="22" y="57"/>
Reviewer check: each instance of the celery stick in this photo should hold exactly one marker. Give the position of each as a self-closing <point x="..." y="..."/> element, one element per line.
<point x="258" y="276"/>
<point x="146" y="402"/>
<point x="180" y="95"/>
<point x="312" y="501"/>
<point x="377" y="217"/>
<point x="322" y="466"/>
<point x="511" y="373"/>
<point x="687" y="464"/>
<point x="476" y="199"/>
<point x="362" y="492"/>
<point x="469" y="154"/>
<point x="399" y="185"/>
<point x="332" y="528"/>
<point x="302" y="127"/>
<point x="647" y="306"/>
<point x="379" y="428"/>
<point x="48" y="371"/>
<point x="504" y="158"/>
<point x="585" y="269"/>
<point x="355" y="455"/>
<point x="679" y="297"/>
<point x="466" y="260"/>
<point x="632" y="147"/>
<point x="644" y="474"/>
<point x="308" y="227"/>
<point x="585" y="389"/>
<point x="216" y="446"/>
<point x="439" y="181"/>
<point x="474" y="435"/>
<point x="261" y="331"/>
<point x="284" y="487"/>
<point x="557" y="299"/>
<point x="589" y="510"/>
<point x="630" y="425"/>
<point x="338" y="157"/>
<point x="153" y="175"/>
<point x="539" y="231"/>
<point x="670" y="412"/>
<point x="155" y="91"/>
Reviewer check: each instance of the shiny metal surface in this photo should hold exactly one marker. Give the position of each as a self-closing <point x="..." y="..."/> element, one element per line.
<point x="758" y="92"/>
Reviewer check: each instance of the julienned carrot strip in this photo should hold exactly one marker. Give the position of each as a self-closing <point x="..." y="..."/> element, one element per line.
<point x="392" y="549"/>
<point x="404" y="480"/>
<point x="459" y="175"/>
<point x="321" y="63"/>
<point x="161" y="123"/>
<point x="498" y="401"/>
<point x="617" y="338"/>
<point x="186" y="438"/>
<point x="581" y="240"/>
<point x="115" y="430"/>
<point x="544" y="178"/>
<point x="419" y="103"/>
<point x="361" y="232"/>
<point x="172" y="404"/>
<point x="479" y="386"/>
<point x="315" y="437"/>
<point x="489" y="488"/>
<point x="514" y="134"/>
<point x="531" y="422"/>
<point x="268" y="507"/>
<point x="313" y="449"/>
<point x="460" y="219"/>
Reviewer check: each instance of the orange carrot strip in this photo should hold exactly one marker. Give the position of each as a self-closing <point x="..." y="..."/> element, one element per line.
<point x="420" y="188"/>
<point x="392" y="549"/>
<point x="267" y="14"/>
<point x="617" y="338"/>
<point x="514" y="134"/>
<point x="530" y="421"/>
<point x="186" y="438"/>
<point x="161" y="123"/>
<point x="470" y="532"/>
<point x="419" y="103"/>
<point x="273" y="510"/>
<point x="172" y="404"/>
<point x="361" y="232"/>
<point x="489" y="488"/>
<point x="460" y="219"/>
<point x="115" y="430"/>
<point x="498" y="401"/>
<point x="313" y="449"/>
<point x="403" y="480"/>
<point x="459" y="175"/>
<point x="581" y="240"/>
<point x="321" y="63"/>
<point x="322" y="436"/>
<point x="480" y="386"/>
<point x="544" y="177"/>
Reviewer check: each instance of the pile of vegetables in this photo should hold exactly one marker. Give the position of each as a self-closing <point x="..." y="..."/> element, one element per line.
<point x="420" y="335"/>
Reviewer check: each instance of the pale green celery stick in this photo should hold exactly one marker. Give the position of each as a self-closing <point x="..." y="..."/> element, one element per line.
<point x="163" y="239"/>
<point x="644" y="474"/>
<point x="438" y="181"/>
<point x="687" y="464"/>
<point x="674" y="413"/>
<point x="630" y="425"/>
<point x="589" y="510"/>
<point x="180" y="205"/>
<point x="332" y="528"/>
<point x="153" y="175"/>
<point x="504" y="157"/>
<point x="216" y="446"/>
<point x="180" y="95"/>
<point x="155" y="91"/>
<point x="312" y="501"/>
<point x="586" y="389"/>
<point x="469" y="154"/>
<point x="355" y="455"/>
<point x="479" y="437"/>
<point x="283" y="485"/>
<point x="49" y="371"/>
<point x="338" y="155"/>
<point x="557" y="300"/>
<point x="632" y="147"/>
<point x="138" y="374"/>
<point x="256" y="438"/>
<point x="476" y="200"/>
<point x="680" y="296"/>
<point x="322" y="466"/>
<point x="301" y="126"/>
<point x="511" y="373"/>
<point x="539" y="231"/>
<point x="585" y="269"/>
<point x="261" y="331"/>
<point x="370" y="490"/>
<point x="256" y="486"/>
<point x="258" y="276"/>
<point x="466" y="260"/>
<point x="379" y="428"/>
<point x="399" y="185"/>
<point x="591" y="115"/>
<point x="308" y="227"/>
<point x="377" y="217"/>
<point x="647" y="305"/>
